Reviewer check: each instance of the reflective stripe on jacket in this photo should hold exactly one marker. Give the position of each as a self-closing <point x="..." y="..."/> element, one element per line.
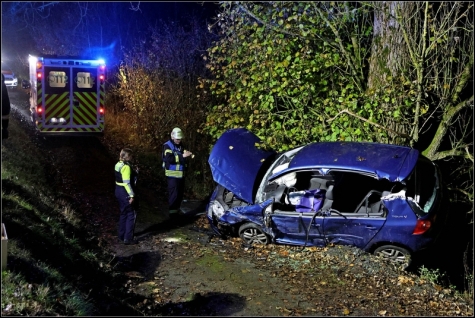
<point x="123" y="174"/>
<point x="173" y="170"/>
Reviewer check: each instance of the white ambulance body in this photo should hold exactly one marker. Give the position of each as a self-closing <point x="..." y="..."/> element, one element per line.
<point x="67" y="95"/>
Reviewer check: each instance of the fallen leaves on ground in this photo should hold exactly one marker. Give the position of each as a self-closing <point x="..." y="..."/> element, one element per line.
<point x="341" y="280"/>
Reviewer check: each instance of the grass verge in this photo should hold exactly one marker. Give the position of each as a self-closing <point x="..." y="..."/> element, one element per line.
<point x="55" y="266"/>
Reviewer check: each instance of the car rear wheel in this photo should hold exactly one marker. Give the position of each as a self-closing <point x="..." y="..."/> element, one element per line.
<point x="251" y="233"/>
<point x="394" y="254"/>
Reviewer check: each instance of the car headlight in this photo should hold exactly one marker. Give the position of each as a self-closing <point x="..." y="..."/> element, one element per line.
<point x="216" y="209"/>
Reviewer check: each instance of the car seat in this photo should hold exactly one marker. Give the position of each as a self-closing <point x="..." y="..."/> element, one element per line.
<point x="328" y="202"/>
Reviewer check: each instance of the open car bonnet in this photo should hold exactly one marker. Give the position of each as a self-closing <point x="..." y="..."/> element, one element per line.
<point x="238" y="163"/>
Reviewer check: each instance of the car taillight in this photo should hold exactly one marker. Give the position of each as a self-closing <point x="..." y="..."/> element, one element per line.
<point x="422" y="226"/>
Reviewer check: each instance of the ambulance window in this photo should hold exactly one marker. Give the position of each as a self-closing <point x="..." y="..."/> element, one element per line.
<point x="57" y="79"/>
<point x="84" y="80"/>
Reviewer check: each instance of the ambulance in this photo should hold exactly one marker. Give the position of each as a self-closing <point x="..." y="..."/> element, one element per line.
<point x="67" y="95"/>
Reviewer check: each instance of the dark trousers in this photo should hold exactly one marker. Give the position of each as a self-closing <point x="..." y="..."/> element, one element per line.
<point x="176" y="188"/>
<point x="127" y="215"/>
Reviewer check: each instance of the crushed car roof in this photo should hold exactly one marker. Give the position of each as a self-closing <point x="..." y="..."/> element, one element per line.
<point x="387" y="161"/>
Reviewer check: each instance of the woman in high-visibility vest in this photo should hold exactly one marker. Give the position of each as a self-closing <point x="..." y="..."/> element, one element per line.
<point x="125" y="180"/>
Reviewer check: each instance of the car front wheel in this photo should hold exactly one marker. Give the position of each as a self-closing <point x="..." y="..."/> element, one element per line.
<point x="251" y="233"/>
<point x="394" y="254"/>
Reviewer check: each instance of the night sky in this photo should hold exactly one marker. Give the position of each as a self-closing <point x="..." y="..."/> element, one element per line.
<point x="17" y="41"/>
<point x="176" y="11"/>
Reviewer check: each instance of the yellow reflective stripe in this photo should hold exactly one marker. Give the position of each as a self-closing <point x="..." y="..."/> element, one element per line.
<point x="168" y="151"/>
<point x="127" y="187"/>
<point x="172" y="173"/>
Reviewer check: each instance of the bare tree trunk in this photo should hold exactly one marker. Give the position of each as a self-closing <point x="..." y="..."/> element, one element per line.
<point x="387" y="56"/>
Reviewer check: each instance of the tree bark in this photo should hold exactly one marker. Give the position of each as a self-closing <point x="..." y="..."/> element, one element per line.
<point x="388" y="53"/>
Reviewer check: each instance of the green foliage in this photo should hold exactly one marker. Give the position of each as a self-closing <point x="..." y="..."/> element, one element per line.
<point x="280" y="73"/>
<point x="432" y="276"/>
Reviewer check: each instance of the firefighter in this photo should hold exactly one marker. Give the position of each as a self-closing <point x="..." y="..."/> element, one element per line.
<point x="5" y="109"/>
<point x="174" y="163"/>
<point x="125" y="181"/>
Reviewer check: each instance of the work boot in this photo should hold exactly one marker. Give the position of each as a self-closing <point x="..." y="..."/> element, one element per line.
<point x="133" y="242"/>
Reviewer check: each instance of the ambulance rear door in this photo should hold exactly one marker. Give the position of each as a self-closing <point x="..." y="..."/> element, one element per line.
<point x="72" y="98"/>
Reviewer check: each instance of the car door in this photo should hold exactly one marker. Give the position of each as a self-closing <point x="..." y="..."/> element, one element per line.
<point x="351" y="229"/>
<point x="292" y="227"/>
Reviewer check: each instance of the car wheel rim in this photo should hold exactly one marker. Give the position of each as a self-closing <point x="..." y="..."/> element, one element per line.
<point x="254" y="236"/>
<point x="393" y="255"/>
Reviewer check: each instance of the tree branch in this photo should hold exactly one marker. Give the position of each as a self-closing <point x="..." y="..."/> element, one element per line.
<point x="465" y="77"/>
<point x="469" y="155"/>
<point x="466" y="193"/>
<point x="265" y="23"/>
<point x="350" y="60"/>
<point x="369" y="122"/>
<point x="450" y="153"/>
<point x="450" y="113"/>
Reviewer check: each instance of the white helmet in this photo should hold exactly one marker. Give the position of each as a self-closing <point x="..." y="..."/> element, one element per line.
<point x="177" y="133"/>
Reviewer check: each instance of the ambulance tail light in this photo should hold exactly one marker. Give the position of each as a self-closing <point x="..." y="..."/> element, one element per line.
<point x="101" y="110"/>
<point x="39" y="65"/>
<point x="102" y="77"/>
<point x="39" y="75"/>
<point x="39" y="109"/>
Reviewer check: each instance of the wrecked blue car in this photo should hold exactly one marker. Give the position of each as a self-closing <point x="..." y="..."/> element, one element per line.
<point x="385" y="199"/>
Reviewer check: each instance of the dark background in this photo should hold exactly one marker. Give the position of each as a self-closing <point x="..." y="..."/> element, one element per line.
<point x="112" y="27"/>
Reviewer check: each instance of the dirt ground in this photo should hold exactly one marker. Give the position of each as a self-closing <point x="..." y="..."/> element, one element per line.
<point x="179" y="268"/>
<point x="177" y="264"/>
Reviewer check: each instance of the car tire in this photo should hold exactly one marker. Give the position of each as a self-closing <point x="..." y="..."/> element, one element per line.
<point x="394" y="254"/>
<point x="250" y="233"/>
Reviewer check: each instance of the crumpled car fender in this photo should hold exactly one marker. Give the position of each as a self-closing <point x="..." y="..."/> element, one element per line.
<point x="251" y="213"/>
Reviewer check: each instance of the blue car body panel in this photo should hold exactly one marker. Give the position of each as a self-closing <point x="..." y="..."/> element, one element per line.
<point x="351" y="230"/>
<point x="292" y="228"/>
<point x="252" y="213"/>
<point x="236" y="161"/>
<point x="383" y="160"/>
<point x="399" y="227"/>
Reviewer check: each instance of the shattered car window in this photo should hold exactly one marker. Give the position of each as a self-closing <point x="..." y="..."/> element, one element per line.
<point x="422" y="185"/>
